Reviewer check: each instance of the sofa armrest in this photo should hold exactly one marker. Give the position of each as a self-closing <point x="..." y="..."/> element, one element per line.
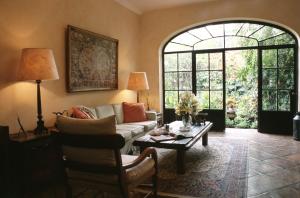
<point x="151" y="115"/>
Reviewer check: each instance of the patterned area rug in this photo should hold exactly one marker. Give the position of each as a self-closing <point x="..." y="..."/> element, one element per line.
<point x="218" y="170"/>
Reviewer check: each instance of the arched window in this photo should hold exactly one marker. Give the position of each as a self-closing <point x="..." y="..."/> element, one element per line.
<point x="194" y="60"/>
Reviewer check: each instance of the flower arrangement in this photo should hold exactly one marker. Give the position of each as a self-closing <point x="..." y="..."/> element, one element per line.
<point x="188" y="104"/>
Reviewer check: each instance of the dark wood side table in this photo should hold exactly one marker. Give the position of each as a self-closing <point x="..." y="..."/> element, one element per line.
<point x="36" y="162"/>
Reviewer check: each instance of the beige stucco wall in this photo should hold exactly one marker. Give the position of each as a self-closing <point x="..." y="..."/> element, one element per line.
<point x="42" y="23"/>
<point x="159" y="26"/>
<point x="35" y="23"/>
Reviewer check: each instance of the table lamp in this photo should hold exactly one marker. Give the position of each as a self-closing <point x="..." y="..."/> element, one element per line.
<point x="138" y="81"/>
<point x="37" y="64"/>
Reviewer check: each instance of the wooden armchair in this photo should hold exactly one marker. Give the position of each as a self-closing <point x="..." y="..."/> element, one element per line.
<point x="95" y="161"/>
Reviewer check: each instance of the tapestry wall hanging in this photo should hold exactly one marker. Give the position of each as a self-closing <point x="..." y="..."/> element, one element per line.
<point x="92" y="61"/>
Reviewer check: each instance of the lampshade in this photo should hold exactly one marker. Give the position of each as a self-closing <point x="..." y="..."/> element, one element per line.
<point x="37" y="64"/>
<point x="138" y="81"/>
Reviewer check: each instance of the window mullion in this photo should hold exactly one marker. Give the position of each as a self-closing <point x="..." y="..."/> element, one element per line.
<point x="178" y="77"/>
<point x="194" y="76"/>
<point x="208" y="54"/>
<point x="277" y="78"/>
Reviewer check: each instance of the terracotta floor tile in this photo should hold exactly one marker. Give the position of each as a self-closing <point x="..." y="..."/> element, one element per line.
<point x="260" y="155"/>
<point x="262" y="183"/>
<point x="264" y="195"/>
<point x="281" y="162"/>
<point x="296" y="186"/>
<point x="262" y="167"/>
<point x="294" y="157"/>
<point x="252" y="172"/>
<point x="295" y="168"/>
<point x="290" y="176"/>
<point x="287" y="192"/>
<point x="283" y="152"/>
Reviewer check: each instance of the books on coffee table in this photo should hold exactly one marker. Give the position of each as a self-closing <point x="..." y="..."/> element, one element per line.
<point x="161" y="138"/>
<point x="171" y="136"/>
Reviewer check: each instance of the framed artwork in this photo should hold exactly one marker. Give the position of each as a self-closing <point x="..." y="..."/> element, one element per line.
<point x="92" y="61"/>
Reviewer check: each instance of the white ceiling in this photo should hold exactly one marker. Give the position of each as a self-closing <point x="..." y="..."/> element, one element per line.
<point x="141" y="6"/>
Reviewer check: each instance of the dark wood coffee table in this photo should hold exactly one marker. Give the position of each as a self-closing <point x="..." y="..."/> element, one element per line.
<point x="180" y="145"/>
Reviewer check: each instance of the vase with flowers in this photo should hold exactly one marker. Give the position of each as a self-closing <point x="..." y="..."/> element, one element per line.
<point x="187" y="107"/>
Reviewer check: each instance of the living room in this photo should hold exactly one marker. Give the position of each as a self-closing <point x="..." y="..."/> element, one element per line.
<point x="141" y="35"/>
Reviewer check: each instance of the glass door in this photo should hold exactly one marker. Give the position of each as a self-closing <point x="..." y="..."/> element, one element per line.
<point x="210" y="86"/>
<point x="177" y="78"/>
<point x="277" y="95"/>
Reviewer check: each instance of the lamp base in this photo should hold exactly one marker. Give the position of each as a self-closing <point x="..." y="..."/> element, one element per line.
<point x="40" y="129"/>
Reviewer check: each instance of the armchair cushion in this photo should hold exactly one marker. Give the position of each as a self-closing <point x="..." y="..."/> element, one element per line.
<point x="92" y="126"/>
<point x="133" y="175"/>
<point x="105" y="182"/>
<point x="139" y="172"/>
<point x="87" y="127"/>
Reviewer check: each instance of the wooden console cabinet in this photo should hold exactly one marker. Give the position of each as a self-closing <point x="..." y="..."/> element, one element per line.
<point x="4" y="162"/>
<point x="36" y="163"/>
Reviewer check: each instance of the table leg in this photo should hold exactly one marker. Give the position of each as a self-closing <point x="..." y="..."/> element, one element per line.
<point x="142" y="148"/>
<point x="205" y="139"/>
<point x="180" y="161"/>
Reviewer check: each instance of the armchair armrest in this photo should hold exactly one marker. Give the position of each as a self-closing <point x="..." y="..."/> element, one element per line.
<point x="147" y="152"/>
<point x="151" y="115"/>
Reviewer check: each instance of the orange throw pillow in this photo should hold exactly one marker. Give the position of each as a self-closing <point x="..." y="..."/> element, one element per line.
<point x="134" y="112"/>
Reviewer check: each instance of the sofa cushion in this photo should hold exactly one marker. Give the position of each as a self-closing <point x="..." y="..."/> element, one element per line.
<point x="93" y="127"/>
<point x="127" y="135"/>
<point x="148" y="125"/>
<point x="119" y="113"/>
<point x="151" y="115"/>
<point x="134" y="129"/>
<point x="134" y="112"/>
<point x="104" y="111"/>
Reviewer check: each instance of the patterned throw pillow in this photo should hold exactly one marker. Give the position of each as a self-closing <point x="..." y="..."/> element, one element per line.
<point x="134" y="112"/>
<point x="82" y="112"/>
<point x="88" y="111"/>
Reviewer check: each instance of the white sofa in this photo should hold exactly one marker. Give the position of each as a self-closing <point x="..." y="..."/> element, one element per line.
<point x="130" y="131"/>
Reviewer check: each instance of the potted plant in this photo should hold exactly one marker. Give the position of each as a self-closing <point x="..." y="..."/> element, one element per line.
<point x="231" y="108"/>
